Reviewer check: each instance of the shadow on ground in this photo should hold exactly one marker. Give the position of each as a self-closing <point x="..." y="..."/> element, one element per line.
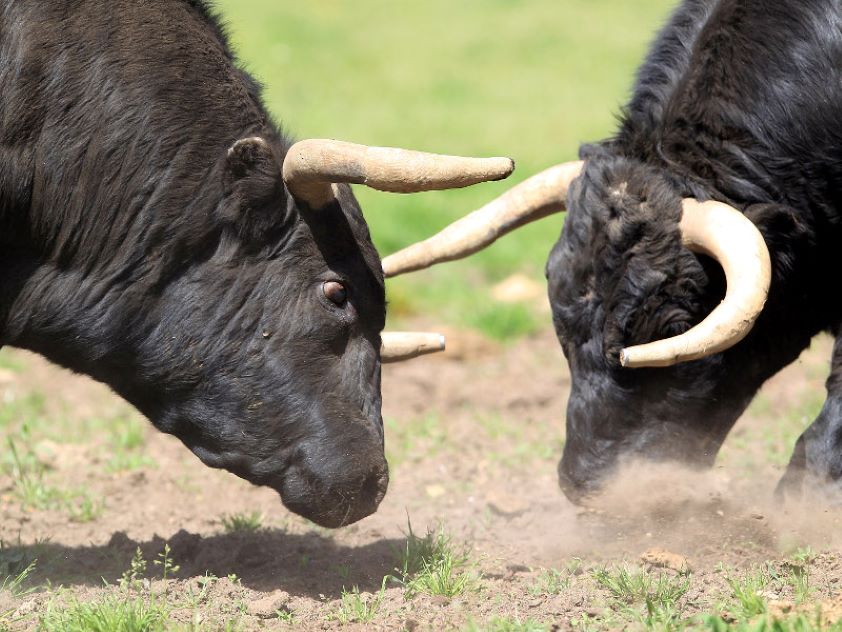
<point x="308" y="565"/>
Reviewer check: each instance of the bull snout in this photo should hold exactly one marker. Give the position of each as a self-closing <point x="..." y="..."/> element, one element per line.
<point x="577" y="482"/>
<point x="335" y="490"/>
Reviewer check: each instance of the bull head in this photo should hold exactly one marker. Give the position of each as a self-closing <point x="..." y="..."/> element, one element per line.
<point x="313" y="167"/>
<point x="712" y="228"/>
<point x="607" y="289"/>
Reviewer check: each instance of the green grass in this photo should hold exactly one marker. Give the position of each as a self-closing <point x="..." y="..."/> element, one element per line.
<point x="799" y="623"/>
<point x="480" y="77"/>
<point x="653" y="600"/>
<point x="550" y="582"/>
<point x="26" y="409"/>
<point x="85" y="507"/>
<point x="243" y="522"/>
<point x="506" y="624"/>
<point x="127" y="439"/>
<point x="356" y="607"/>
<point x="27" y="474"/>
<point x="31" y="488"/>
<point x="14" y="585"/>
<point x="803" y="555"/>
<point x="111" y="614"/>
<point x="27" y="435"/>
<point x="415" y="438"/>
<point x="504" y="321"/>
<point x="746" y="601"/>
<point x="434" y="565"/>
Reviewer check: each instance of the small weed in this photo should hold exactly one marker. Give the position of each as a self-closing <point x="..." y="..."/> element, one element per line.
<point x="415" y="438"/>
<point x="242" y="522"/>
<point x="587" y="623"/>
<point x="167" y="564"/>
<point x="550" y="582"/>
<point x="14" y="584"/>
<point x="798" y="623"/>
<point x="634" y="586"/>
<point x="85" y="508"/>
<point x="14" y="560"/>
<point x="419" y="552"/>
<point x="355" y="607"/>
<point x="27" y="475"/>
<point x="502" y="624"/>
<point x="803" y="555"/>
<point x="746" y="601"/>
<point x="110" y="614"/>
<point x="127" y="461"/>
<point x="574" y="565"/>
<point x="343" y="570"/>
<point x="31" y="489"/>
<point x="660" y="595"/>
<point x="799" y="579"/>
<point x="132" y="578"/>
<point x="128" y="436"/>
<point x="285" y="616"/>
<point x="433" y="566"/>
<point x="195" y="597"/>
<point x="444" y="577"/>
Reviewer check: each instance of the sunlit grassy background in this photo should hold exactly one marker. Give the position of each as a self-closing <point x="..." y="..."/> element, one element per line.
<point x="530" y="79"/>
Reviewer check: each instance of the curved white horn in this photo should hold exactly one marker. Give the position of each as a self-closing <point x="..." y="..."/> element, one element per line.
<point x="722" y="232"/>
<point x="539" y="196"/>
<point x="397" y="346"/>
<point x="312" y="166"/>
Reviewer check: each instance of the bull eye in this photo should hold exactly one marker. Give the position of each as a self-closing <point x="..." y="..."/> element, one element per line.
<point x="335" y="292"/>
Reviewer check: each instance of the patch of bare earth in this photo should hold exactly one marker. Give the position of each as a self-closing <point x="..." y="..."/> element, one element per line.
<point x="473" y="439"/>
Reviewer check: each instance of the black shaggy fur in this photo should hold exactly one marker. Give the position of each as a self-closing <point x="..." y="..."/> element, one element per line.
<point x="136" y="248"/>
<point x="738" y="101"/>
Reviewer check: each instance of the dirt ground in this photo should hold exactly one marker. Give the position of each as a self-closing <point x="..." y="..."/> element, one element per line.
<point x="473" y="438"/>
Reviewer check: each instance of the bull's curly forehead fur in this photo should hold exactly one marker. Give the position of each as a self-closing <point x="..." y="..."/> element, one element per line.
<point x="619" y="264"/>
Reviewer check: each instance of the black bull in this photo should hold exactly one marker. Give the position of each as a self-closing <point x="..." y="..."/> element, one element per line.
<point x="149" y="239"/>
<point x="738" y="101"/>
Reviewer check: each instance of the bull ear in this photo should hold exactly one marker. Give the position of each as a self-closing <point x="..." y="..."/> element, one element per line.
<point x="254" y="188"/>
<point x="252" y="156"/>
<point x="253" y="173"/>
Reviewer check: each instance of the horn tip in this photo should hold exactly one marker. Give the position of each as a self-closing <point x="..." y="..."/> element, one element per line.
<point x="507" y="168"/>
<point x="624" y="358"/>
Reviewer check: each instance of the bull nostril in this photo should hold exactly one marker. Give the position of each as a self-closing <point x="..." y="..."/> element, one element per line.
<point x="374" y="486"/>
<point x="575" y="492"/>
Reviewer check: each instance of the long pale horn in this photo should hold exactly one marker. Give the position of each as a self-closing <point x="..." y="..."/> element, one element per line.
<point x="397" y="346"/>
<point x="312" y="166"/>
<point x="722" y="232"/>
<point x="539" y="196"/>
